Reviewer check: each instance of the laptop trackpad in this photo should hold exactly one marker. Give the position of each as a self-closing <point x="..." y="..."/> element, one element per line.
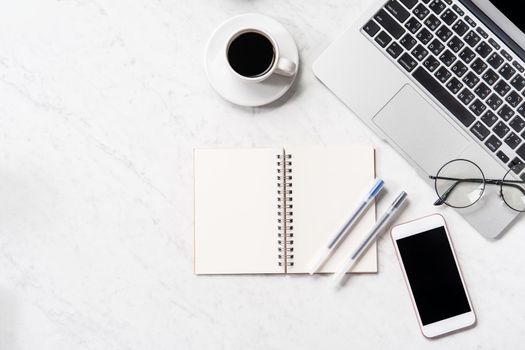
<point x="419" y="130"/>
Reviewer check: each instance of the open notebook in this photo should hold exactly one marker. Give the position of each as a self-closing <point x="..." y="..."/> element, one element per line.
<point x="270" y="210"/>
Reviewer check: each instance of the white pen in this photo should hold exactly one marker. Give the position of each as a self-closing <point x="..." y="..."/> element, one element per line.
<point x="329" y="247"/>
<point x="383" y="222"/>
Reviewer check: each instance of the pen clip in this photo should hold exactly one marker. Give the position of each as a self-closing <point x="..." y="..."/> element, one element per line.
<point x="399" y="200"/>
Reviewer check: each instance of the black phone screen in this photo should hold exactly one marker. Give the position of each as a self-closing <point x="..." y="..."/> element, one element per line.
<point x="433" y="275"/>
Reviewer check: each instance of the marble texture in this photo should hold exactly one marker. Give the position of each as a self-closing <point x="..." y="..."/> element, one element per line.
<point x="101" y="105"/>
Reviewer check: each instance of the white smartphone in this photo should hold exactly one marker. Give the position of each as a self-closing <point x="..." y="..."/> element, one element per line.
<point x="432" y="275"/>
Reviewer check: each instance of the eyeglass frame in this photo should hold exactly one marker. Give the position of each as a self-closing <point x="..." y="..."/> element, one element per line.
<point x="502" y="182"/>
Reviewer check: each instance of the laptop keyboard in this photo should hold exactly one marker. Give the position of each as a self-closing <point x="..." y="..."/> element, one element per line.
<point x="464" y="67"/>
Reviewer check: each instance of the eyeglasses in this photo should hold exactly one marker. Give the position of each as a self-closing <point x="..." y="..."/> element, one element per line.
<point x="461" y="183"/>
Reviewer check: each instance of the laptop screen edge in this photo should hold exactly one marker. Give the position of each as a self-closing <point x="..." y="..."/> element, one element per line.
<point x="495" y="28"/>
<point x="511" y="29"/>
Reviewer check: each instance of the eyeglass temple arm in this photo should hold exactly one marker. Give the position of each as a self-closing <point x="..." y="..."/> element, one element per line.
<point x="441" y="200"/>
<point x="510" y="183"/>
<point x="444" y="196"/>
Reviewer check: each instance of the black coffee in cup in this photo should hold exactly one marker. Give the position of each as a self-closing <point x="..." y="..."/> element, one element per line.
<point x="251" y="54"/>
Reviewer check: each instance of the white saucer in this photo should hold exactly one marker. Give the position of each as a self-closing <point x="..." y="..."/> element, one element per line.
<point x="232" y="88"/>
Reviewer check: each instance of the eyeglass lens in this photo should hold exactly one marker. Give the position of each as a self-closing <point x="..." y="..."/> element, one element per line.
<point x="513" y="188"/>
<point x="460" y="183"/>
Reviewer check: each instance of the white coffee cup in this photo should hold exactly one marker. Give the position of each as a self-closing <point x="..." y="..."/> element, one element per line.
<point x="248" y="51"/>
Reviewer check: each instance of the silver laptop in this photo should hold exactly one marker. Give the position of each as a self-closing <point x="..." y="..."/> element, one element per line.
<point x="439" y="80"/>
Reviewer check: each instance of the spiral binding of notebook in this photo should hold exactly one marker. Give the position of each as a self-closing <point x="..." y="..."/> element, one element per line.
<point x="284" y="210"/>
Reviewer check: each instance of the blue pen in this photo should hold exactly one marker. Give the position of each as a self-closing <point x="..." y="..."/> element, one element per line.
<point x="370" y="238"/>
<point x="341" y="234"/>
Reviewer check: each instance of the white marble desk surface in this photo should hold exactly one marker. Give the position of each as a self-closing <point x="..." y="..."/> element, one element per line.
<point x="101" y="105"/>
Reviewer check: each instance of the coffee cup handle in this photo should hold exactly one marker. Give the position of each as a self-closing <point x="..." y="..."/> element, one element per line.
<point x="285" y="67"/>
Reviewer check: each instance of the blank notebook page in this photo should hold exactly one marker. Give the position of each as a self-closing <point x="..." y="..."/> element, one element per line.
<point x="235" y="211"/>
<point x="327" y="184"/>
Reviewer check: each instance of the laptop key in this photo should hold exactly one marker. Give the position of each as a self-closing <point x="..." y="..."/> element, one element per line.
<point x="420" y="52"/>
<point x="494" y="44"/>
<point x="383" y="39"/>
<point x="471" y="79"/>
<point x="495" y="60"/>
<point x="444" y="33"/>
<point x="437" y="6"/>
<point x="478" y="66"/>
<point x="518" y="67"/>
<point x="521" y="110"/>
<point x="505" y="112"/>
<point x="455" y="44"/>
<point x="502" y="88"/>
<point x="513" y="140"/>
<point x="447" y="58"/>
<point x="371" y="28"/>
<point x="424" y="36"/>
<point x="477" y="107"/>
<point x="466" y="96"/>
<point x="480" y="131"/>
<point x="409" y="3"/>
<point x="449" y="17"/>
<point x="489" y="118"/>
<point x="518" y="82"/>
<point x="507" y="56"/>
<point x="443" y="74"/>
<point x="482" y="33"/>
<point x="397" y="10"/>
<point x="490" y="77"/>
<point x="467" y="55"/>
<point x="483" y="49"/>
<point x="431" y="63"/>
<point x="501" y="129"/>
<point x="463" y="115"/>
<point x="470" y="21"/>
<point x="459" y="69"/>
<point x="454" y="85"/>
<point x="395" y="50"/>
<point x="413" y="25"/>
<point x="517" y="124"/>
<point x="521" y="151"/>
<point x="493" y="143"/>
<point x="494" y="102"/>
<point x="389" y="24"/>
<point x="514" y="162"/>
<point x="460" y="28"/>
<point x="472" y="39"/>
<point x="407" y="62"/>
<point x="432" y="22"/>
<point x="458" y="10"/>
<point x="482" y="90"/>
<point x="420" y="11"/>
<point x="513" y="99"/>
<point x="503" y="157"/>
<point x="436" y="47"/>
<point x="408" y="41"/>
<point x="507" y="71"/>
